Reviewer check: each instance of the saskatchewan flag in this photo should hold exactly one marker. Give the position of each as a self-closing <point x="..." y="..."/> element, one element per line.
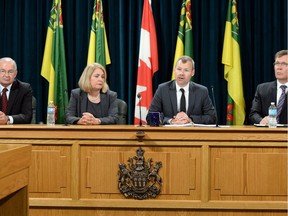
<point x="98" y="46"/>
<point x="232" y="68"/>
<point x="184" y="44"/>
<point x="54" y="63"/>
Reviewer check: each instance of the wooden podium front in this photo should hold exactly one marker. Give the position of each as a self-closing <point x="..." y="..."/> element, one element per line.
<point x="205" y="171"/>
<point x="14" y="173"/>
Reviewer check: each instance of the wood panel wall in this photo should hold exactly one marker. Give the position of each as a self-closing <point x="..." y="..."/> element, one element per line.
<point x="205" y="171"/>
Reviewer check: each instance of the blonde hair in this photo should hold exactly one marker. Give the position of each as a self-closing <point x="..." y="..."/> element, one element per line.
<point x="84" y="81"/>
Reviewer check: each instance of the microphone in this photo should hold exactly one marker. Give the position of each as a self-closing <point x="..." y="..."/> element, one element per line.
<point x="64" y="106"/>
<point x="213" y="98"/>
<point x="140" y="97"/>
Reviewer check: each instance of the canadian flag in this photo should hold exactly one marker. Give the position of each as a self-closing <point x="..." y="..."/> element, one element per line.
<point x="147" y="64"/>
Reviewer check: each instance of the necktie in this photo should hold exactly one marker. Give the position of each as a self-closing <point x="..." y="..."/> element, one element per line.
<point x="4" y="100"/>
<point x="182" y="101"/>
<point x="281" y="101"/>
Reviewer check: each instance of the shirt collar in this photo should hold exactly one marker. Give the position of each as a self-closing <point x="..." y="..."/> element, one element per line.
<point x="280" y="84"/>
<point x="186" y="88"/>
<point x="8" y="87"/>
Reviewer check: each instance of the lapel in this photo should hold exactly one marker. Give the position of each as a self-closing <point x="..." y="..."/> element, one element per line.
<point x="273" y="92"/>
<point x="285" y="100"/>
<point x="172" y="96"/>
<point x="104" y="100"/>
<point x="82" y="103"/>
<point x="192" y="98"/>
<point x="12" y="95"/>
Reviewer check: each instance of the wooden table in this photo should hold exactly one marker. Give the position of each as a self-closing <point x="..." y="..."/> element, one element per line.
<point x="14" y="173"/>
<point x="205" y="171"/>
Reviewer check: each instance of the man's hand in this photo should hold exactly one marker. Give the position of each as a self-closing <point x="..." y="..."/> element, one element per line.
<point x="265" y="120"/>
<point x="181" y="118"/>
<point x="3" y="118"/>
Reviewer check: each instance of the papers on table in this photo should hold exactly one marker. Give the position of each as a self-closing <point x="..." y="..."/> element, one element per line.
<point x="204" y="125"/>
<point x="182" y="125"/>
<point x="266" y="125"/>
<point x="196" y="125"/>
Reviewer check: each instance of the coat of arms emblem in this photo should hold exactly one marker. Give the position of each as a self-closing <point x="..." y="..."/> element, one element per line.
<point x="139" y="180"/>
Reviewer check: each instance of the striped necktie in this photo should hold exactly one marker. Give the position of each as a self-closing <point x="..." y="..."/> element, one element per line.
<point x="4" y="100"/>
<point x="281" y="101"/>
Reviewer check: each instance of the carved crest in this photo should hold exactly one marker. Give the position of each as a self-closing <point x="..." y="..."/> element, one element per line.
<point x="139" y="180"/>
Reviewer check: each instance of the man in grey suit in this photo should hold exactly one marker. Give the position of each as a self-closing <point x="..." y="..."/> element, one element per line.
<point x="16" y="96"/>
<point x="182" y="101"/>
<point x="271" y="92"/>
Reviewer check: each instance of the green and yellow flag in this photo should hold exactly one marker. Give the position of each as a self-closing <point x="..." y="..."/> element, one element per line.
<point x="98" y="45"/>
<point x="232" y="68"/>
<point x="184" y="44"/>
<point x="54" y="63"/>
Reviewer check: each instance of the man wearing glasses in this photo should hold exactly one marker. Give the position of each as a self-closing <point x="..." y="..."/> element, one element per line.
<point x="275" y="91"/>
<point x="16" y="96"/>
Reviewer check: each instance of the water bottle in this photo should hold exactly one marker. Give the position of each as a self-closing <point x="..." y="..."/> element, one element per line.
<point x="272" y="116"/>
<point x="51" y="113"/>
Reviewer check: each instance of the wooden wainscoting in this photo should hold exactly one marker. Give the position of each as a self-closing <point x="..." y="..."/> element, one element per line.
<point x="14" y="173"/>
<point x="234" y="171"/>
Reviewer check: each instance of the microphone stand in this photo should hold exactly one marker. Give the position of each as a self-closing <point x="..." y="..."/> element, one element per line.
<point x="64" y="107"/>
<point x="140" y="134"/>
<point x="140" y="117"/>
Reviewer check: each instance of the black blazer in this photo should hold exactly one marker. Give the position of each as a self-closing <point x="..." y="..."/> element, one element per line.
<point x="78" y="105"/>
<point x="265" y="94"/>
<point x="200" y="108"/>
<point x="20" y="102"/>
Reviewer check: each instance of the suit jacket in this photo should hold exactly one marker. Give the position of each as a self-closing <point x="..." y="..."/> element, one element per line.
<point x="265" y="94"/>
<point x="20" y="102"/>
<point x="200" y="108"/>
<point x="78" y="105"/>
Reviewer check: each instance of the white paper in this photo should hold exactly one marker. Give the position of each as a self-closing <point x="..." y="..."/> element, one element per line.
<point x="204" y="125"/>
<point x="266" y="125"/>
<point x="179" y="125"/>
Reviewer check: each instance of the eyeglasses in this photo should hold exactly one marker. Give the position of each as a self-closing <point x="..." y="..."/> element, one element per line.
<point x="9" y="72"/>
<point x="283" y="64"/>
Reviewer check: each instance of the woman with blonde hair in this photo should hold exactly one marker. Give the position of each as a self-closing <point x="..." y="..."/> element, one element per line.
<point x="92" y="103"/>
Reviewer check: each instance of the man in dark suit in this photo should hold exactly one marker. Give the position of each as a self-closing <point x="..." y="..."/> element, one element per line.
<point x="271" y="92"/>
<point x="182" y="101"/>
<point x="16" y="96"/>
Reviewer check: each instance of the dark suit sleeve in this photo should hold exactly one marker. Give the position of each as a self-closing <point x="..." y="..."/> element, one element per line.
<point x="21" y="110"/>
<point x="112" y="115"/>
<point x="203" y="111"/>
<point x="264" y="95"/>
<point x="161" y="103"/>
<point x="72" y="110"/>
<point x="256" y="114"/>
